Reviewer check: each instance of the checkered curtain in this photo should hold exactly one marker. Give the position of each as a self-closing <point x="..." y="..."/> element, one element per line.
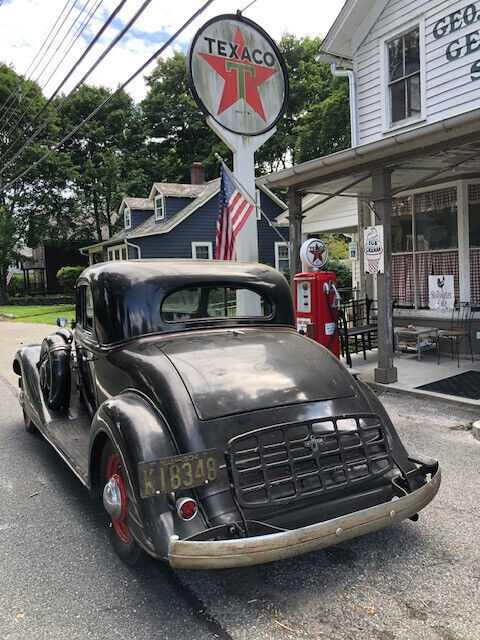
<point x="434" y="200"/>
<point x="475" y="277"/>
<point x="474" y="193"/>
<point x="402" y="280"/>
<point x="435" y="263"/>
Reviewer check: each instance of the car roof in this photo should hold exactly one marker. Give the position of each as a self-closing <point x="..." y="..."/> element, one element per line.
<point x="128" y="294"/>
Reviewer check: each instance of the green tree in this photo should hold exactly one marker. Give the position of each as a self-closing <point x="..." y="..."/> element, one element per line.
<point x="35" y="202"/>
<point x="178" y="132"/>
<point x="337" y="245"/>
<point x="105" y="155"/>
<point x="303" y="133"/>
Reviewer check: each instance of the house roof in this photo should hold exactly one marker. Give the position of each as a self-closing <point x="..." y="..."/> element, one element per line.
<point x="200" y="194"/>
<point x="149" y="227"/>
<point x="143" y="204"/>
<point x="175" y="190"/>
<point x="351" y="26"/>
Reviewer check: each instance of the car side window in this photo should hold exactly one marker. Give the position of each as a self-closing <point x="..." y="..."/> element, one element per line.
<point x="85" y="308"/>
<point x="88" y="309"/>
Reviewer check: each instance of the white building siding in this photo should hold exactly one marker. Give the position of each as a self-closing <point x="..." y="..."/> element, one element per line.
<point x="448" y="87"/>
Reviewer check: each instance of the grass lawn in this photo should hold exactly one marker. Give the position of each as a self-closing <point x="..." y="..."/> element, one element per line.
<point x="38" y="313"/>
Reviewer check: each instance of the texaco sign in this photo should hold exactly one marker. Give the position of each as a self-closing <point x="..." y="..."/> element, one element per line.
<point x="237" y="75"/>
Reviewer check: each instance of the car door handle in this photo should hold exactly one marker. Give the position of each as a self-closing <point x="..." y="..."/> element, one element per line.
<point x="91" y="358"/>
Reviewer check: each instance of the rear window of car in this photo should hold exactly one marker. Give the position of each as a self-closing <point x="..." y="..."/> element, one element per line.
<point x="203" y="303"/>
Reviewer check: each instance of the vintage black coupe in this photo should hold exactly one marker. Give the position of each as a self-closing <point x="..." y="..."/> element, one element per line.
<point x="216" y="437"/>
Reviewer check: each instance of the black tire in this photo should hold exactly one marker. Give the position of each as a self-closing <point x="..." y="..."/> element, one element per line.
<point x="128" y="550"/>
<point x="54" y="371"/>
<point x="29" y="425"/>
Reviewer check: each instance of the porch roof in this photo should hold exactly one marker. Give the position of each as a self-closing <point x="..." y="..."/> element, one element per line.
<point x="428" y="155"/>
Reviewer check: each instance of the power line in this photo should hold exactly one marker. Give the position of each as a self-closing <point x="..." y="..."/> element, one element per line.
<point x="119" y="36"/>
<point x="38" y="52"/>
<point x="48" y="62"/>
<point x="111" y="96"/>
<point x="74" y="38"/>
<point x="71" y="28"/>
<point x="35" y="117"/>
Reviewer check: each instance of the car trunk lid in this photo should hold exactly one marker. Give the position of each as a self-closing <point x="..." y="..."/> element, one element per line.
<point x="231" y="372"/>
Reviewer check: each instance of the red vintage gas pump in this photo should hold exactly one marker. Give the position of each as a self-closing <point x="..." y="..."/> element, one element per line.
<point x="317" y="301"/>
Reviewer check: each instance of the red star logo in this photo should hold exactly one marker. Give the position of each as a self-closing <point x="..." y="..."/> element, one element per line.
<point x="242" y="78"/>
<point x="317" y="252"/>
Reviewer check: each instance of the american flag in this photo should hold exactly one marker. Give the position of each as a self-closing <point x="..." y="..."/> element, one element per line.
<point x="9" y="277"/>
<point x="234" y="211"/>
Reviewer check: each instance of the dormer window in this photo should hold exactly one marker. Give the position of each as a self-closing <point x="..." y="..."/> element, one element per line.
<point x="127" y="218"/>
<point x="404" y="76"/>
<point x="159" y="207"/>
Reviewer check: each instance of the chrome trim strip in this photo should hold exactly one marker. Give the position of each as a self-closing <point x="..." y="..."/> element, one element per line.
<point x="185" y="554"/>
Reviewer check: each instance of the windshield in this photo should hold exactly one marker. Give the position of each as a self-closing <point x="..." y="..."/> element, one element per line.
<point x="196" y="303"/>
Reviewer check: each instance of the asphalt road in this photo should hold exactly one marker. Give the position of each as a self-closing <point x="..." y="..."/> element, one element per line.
<point x="59" y="578"/>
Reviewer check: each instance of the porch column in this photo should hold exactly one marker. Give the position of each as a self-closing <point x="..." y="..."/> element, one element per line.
<point x="366" y="285"/>
<point x="295" y="222"/>
<point x="382" y="203"/>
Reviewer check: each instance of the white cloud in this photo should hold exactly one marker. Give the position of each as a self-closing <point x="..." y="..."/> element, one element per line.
<point x="25" y="23"/>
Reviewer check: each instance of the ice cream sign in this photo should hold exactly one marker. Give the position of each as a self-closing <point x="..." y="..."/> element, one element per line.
<point x="373" y="248"/>
<point x="464" y="44"/>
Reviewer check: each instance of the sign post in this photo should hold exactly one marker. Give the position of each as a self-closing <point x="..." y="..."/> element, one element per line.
<point x="239" y="79"/>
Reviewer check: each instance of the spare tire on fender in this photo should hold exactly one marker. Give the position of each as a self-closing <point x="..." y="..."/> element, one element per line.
<point x="54" y="369"/>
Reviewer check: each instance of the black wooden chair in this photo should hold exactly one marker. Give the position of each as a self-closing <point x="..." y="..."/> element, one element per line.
<point x="356" y="326"/>
<point x="460" y="330"/>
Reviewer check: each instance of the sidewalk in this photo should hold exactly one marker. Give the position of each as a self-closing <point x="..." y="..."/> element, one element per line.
<point x="14" y="335"/>
<point x="413" y="373"/>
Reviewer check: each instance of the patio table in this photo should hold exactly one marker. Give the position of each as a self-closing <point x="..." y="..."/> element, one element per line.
<point x="416" y="333"/>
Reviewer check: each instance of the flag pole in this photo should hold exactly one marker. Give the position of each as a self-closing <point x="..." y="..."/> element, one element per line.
<point x="248" y="197"/>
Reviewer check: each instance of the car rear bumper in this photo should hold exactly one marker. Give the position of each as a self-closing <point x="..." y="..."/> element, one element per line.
<point x="222" y="554"/>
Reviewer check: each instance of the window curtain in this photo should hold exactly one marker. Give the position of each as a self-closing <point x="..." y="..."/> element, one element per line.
<point x="437" y="263"/>
<point x="475" y="277"/>
<point x="402" y="280"/>
<point x="434" y="200"/>
<point x="474" y="193"/>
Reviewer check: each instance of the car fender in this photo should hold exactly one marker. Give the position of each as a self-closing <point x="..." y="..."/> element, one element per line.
<point x="140" y="434"/>
<point x="31" y="396"/>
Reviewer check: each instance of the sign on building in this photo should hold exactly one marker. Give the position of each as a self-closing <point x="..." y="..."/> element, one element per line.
<point x="353" y="251"/>
<point x="237" y="75"/>
<point x="373" y="246"/>
<point x="441" y="292"/>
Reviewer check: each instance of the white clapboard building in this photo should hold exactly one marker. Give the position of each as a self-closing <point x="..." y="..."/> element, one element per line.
<point x="414" y="164"/>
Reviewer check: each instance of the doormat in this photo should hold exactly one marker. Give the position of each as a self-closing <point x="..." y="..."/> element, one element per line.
<point x="463" y="385"/>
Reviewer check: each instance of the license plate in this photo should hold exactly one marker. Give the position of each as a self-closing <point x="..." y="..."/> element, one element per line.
<point x="178" y="472"/>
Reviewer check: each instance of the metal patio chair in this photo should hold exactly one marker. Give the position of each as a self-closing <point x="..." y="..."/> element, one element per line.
<point x="460" y="330"/>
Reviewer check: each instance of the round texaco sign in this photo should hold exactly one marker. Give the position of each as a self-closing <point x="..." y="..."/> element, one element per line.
<point x="237" y="75"/>
<point x="314" y="253"/>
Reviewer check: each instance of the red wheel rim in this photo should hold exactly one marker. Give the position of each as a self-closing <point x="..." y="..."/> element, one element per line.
<point x="114" y="469"/>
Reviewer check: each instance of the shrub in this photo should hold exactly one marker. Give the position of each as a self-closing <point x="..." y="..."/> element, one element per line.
<point x="16" y="285"/>
<point x="68" y="276"/>
<point x="343" y="273"/>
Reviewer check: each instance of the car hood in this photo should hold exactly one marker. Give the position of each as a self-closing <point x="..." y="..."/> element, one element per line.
<point x="231" y="372"/>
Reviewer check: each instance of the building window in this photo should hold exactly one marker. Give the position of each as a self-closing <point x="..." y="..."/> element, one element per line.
<point x="159" y="207"/>
<point x="424" y="243"/>
<point x="202" y="250"/>
<point x="127" y="218"/>
<point x="404" y="76"/>
<point x="118" y="252"/>
<point x="282" y="256"/>
<point x="258" y="206"/>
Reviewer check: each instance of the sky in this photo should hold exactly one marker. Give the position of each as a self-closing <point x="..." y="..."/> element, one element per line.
<point x="24" y="25"/>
